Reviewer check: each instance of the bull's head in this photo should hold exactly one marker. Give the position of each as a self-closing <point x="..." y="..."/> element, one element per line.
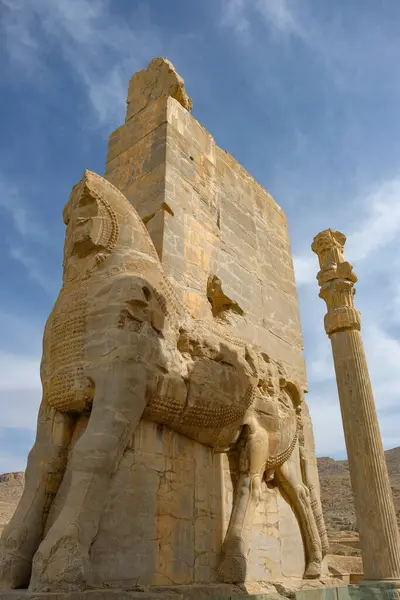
<point x="100" y="220"/>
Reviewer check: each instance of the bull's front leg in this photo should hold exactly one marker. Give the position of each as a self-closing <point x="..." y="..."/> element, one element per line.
<point x="44" y="472"/>
<point x="310" y="473"/>
<point x="236" y="546"/>
<point x="62" y="559"/>
<point x="289" y="477"/>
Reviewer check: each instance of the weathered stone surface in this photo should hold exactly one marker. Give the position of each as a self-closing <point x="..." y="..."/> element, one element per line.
<point x="276" y="590"/>
<point x="173" y="443"/>
<point x="159" y="80"/>
<point x="220" y="222"/>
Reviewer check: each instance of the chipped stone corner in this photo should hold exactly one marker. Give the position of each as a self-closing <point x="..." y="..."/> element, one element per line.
<point x="159" y="79"/>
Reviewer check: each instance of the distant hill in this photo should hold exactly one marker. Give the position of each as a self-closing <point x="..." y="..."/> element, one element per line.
<point x="11" y="486"/>
<point x="336" y="494"/>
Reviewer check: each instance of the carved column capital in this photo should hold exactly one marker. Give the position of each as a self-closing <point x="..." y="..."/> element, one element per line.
<point x="336" y="279"/>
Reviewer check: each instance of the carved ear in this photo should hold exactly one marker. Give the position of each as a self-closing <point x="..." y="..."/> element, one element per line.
<point x="295" y="391"/>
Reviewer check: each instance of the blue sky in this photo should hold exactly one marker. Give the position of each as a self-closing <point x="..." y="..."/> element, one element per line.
<point x="304" y="93"/>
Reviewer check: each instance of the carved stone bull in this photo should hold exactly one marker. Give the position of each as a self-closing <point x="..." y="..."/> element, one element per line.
<point x="119" y="346"/>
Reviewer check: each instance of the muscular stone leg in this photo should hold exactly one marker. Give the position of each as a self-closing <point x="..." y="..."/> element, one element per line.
<point x="63" y="557"/>
<point x="310" y="473"/>
<point x="233" y="565"/>
<point x="319" y="519"/>
<point x="44" y="472"/>
<point x="289" y="477"/>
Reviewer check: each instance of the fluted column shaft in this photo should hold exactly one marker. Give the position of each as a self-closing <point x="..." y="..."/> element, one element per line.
<point x="376" y="516"/>
<point x="375" y="512"/>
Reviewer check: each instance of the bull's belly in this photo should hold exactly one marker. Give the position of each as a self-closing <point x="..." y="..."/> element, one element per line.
<point x="281" y="441"/>
<point x="208" y="407"/>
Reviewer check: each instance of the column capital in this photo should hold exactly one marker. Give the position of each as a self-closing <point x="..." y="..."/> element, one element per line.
<point x="336" y="279"/>
<point x="328" y="239"/>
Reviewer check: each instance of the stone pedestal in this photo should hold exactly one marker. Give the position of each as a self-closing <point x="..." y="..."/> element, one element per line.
<point x="167" y="511"/>
<point x="376" y="517"/>
<point x="210" y="220"/>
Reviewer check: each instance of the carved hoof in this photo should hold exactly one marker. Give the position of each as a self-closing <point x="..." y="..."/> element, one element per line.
<point x="313" y="570"/>
<point x="15" y="570"/>
<point x="232" y="569"/>
<point x="58" y="565"/>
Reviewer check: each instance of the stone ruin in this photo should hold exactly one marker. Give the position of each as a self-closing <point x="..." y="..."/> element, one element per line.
<point x="174" y="446"/>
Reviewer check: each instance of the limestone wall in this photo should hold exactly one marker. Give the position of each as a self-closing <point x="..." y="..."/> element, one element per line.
<point x="207" y="217"/>
<point x="167" y="512"/>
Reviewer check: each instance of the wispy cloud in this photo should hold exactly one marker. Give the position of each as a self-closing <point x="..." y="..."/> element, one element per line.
<point x="24" y="222"/>
<point x="36" y="270"/>
<point x="102" y="49"/>
<point x="280" y="15"/>
<point x="375" y="226"/>
<point x="20" y="386"/>
<point x="380" y="224"/>
<point x="19" y="372"/>
<point x="19" y="407"/>
<point x="15" y="443"/>
<point x="20" y="333"/>
<point x="305" y="268"/>
<point x="26" y="232"/>
<point x="234" y="16"/>
<point x="344" y="41"/>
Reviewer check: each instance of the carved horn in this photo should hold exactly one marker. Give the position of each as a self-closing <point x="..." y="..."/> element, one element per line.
<point x="295" y="391"/>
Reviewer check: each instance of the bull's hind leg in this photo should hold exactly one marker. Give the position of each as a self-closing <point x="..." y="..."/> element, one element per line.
<point x="289" y="477"/>
<point x="44" y="472"/>
<point x="233" y="564"/>
<point x="308" y="477"/>
<point x="62" y="559"/>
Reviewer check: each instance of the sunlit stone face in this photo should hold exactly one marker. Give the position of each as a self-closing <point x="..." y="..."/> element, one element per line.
<point x="84" y="225"/>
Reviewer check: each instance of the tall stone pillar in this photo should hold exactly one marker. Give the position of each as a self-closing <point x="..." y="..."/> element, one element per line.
<point x="376" y="517"/>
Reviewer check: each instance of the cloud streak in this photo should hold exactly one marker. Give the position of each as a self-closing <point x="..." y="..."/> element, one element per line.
<point x="20" y="385"/>
<point x="344" y="41"/>
<point x="28" y="232"/>
<point x="24" y="222"/>
<point x="280" y="14"/>
<point x="101" y="49"/>
<point x="375" y="227"/>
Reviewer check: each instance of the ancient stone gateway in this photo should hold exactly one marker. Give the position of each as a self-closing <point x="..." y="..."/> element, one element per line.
<point x="174" y="445"/>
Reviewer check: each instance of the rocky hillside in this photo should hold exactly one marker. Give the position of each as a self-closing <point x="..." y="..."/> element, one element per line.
<point x="337" y="498"/>
<point x="11" y="486"/>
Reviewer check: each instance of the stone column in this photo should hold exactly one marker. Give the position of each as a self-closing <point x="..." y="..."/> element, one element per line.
<point x="376" y="517"/>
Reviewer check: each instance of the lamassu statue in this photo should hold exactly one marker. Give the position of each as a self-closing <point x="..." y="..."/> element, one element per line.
<point x="120" y="347"/>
